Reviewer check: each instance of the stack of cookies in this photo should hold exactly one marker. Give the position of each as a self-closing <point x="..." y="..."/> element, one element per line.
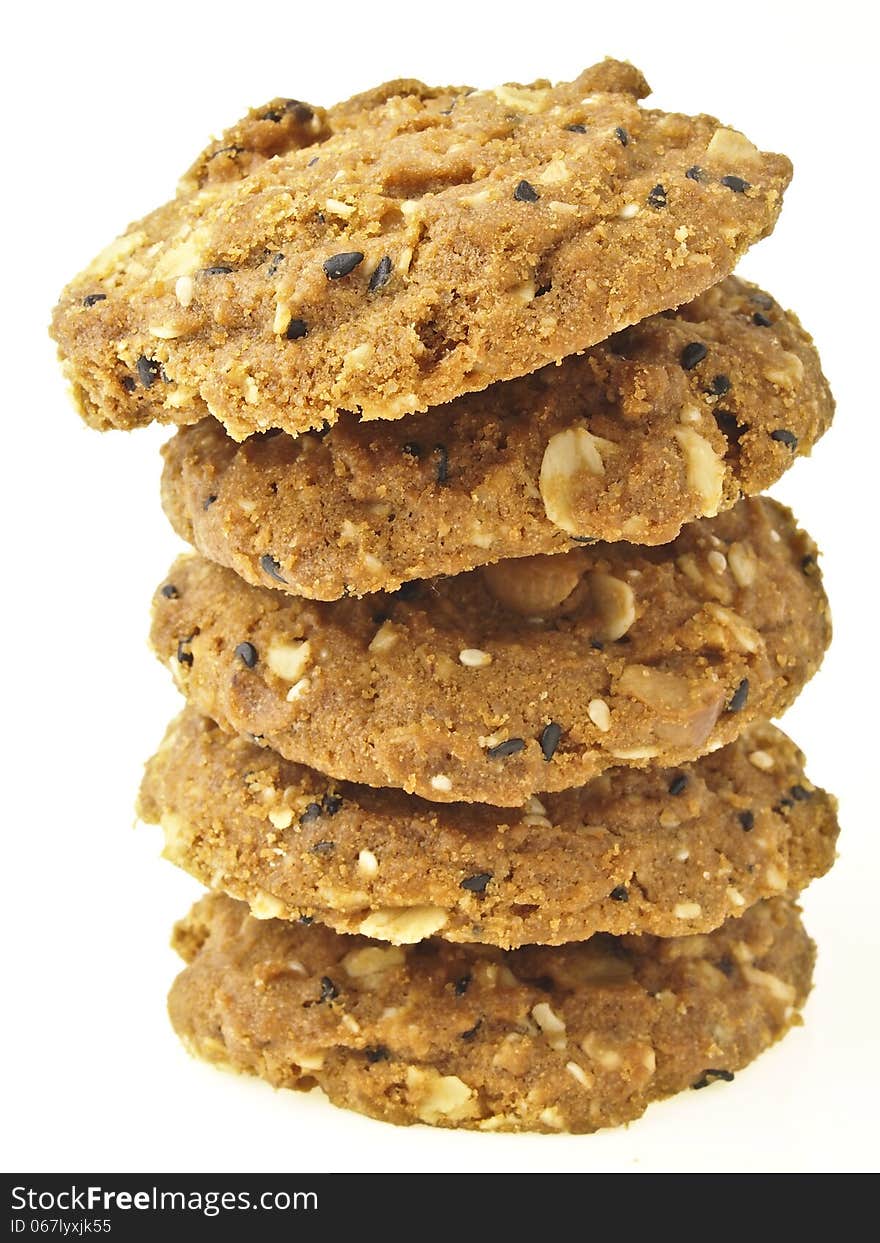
<point x="486" y="621"/>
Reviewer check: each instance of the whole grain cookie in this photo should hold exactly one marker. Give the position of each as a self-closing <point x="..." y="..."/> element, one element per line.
<point x="407" y="247"/>
<point x="569" y="1038"/>
<point x="662" y="851"/>
<point x="531" y="675"/>
<point x="667" y="421"/>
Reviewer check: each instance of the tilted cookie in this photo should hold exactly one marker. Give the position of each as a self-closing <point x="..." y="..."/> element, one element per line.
<point x="407" y="247"/>
<point x="531" y="675"/>
<point x="670" y="420"/>
<point x="569" y="1038"/>
<point x="663" y="851"/>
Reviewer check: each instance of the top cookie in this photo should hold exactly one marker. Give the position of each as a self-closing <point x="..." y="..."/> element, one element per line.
<point x="406" y="247"/>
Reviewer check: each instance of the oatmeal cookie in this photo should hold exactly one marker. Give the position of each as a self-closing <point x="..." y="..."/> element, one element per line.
<point x="670" y="420"/>
<point x="568" y="1038"/>
<point x="663" y="851"/>
<point x="404" y="248"/>
<point x="529" y="675"/>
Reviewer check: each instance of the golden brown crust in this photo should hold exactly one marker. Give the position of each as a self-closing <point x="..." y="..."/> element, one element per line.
<point x="367" y="507"/>
<point x="571" y="1038"/>
<point x="662" y="851"/>
<point x="457" y="689"/>
<point x="500" y="230"/>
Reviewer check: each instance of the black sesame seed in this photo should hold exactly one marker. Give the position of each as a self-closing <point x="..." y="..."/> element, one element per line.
<point x="247" y="653"/>
<point x="306" y="920"/>
<point x="692" y="354"/>
<point x="763" y="300"/>
<point x="785" y="437"/>
<point x="381" y="274"/>
<point x="509" y="747"/>
<point x="747" y="821"/>
<point x="619" y="893"/>
<point x="271" y="567"/>
<point x="476" y="883"/>
<point x="183" y="656"/>
<point x="311" y="813"/>
<point x="301" y="112"/>
<point x="550" y="736"/>
<point x="342" y="264"/>
<point x="543" y="289"/>
<point x="695" y="173"/>
<point x="678" y="784"/>
<point x="583" y="539"/>
<point x="272" y="115"/>
<point x="148" y="370"/>
<point x="708" y="1075"/>
<point x="808" y="565"/>
<point x="313" y="161"/>
<point x="323" y="848"/>
<point x="525" y="192"/>
<point x="129" y="383"/>
<point x="376" y="1053"/>
<point x="761" y="320"/>
<point x="725" y="965"/>
<point x="720" y="385"/>
<point x="576" y="129"/>
<point x="783" y="805"/>
<point x="800" y="794"/>
<point x="736" y="184"/>
<point x="657" y="197"/>
<point x="622" y="136"/>
<point x="739" y="696"/>
<point x="411" y="449"/>
<point x="728" y="424"/>
<point x="460" y="987"/>
<point x="91" y="298"/>
<point x="209" y="501"/>
<point x="329" y="991"/>
<point x="274" y="263"/>
<point x="331" y="803"/>
<point x="471" y="1031"/>
<point x="597" y="645"/>
<point x="442" y="469"/>
<point x="219" y="269"/>
<point x="297" y="329"/>
<point x="170" y="592"/>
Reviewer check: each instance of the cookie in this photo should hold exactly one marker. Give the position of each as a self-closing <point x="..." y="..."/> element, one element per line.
<point x="670" y="420"/>
<point x="531" y="675"/>
<point x="569" y="1038"/>
<point x="410" y="246"/>
<point x="662" y="851"/>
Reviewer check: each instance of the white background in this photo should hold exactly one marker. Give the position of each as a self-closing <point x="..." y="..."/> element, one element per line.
<point x="107" y="104"/>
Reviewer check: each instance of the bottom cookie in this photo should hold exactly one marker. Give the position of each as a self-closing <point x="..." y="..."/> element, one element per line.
<point x="568" y="1038"/>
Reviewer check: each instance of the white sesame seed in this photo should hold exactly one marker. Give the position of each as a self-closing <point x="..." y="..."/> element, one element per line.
<point x="368" y="864"/>
<point x="717" y="561"/>
<point x="281" y="817"/>
<point x="762" y="760"/>
<point x="475" y="658"/>
<point x="578" y="1073"/>
<point x="687" y="910"/>
<point x="600" y="714"/>
<point x="628" y="211"/>
<point x="183" y="290"/>
<point x="442" y="783"/>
